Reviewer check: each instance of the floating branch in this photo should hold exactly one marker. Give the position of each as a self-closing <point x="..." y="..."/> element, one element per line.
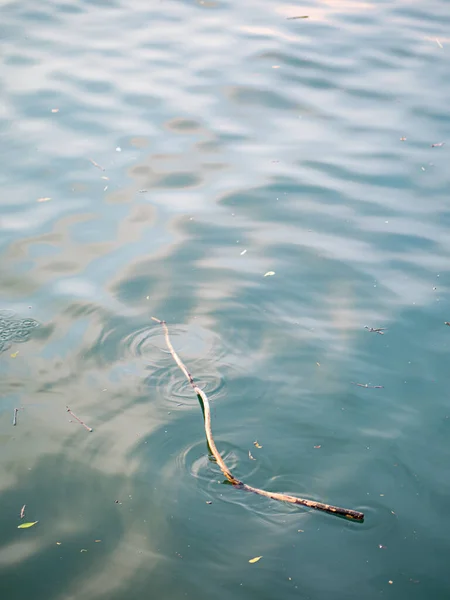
<point x="16" y="410"/>
<point x="204" y="402"/>
<point x="79" y="420"/>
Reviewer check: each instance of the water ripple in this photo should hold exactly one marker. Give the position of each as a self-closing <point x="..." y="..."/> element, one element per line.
<point x="14" y="330"/>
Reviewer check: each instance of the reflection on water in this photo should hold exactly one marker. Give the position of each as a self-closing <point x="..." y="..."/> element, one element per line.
<point x="183" y="151"/>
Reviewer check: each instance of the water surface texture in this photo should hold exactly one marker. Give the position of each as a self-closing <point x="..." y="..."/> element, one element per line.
<point x="160" y="158"/>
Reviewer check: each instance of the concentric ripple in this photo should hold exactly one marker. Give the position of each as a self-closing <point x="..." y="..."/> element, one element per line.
<point x="196" y="460"/>
<point x="14" y="330"/>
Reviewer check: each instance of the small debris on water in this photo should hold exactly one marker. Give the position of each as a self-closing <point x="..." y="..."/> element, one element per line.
<point x="379" y="330"/>
<point x="27" y="525"/>
<point x="301" y="17"/>
<point x="403" y="139"/>
<point x="257" y="444"/>
<point x="255" y="560"/>
<point x="46" y="199"/>
<point x="96" y="164"/>
<point x="269" y="274"/>
<point x="208" y="502"/>
<point x="250" y="456"/>
<point x="438" y="145"/>
<point x="317" y="447"/>
<point x="439" y="43"/>
<point x="366" y="385"/>
<point x="118" y="149"/>
<point x="55" y="110"/>
<point x="243" y="252"/>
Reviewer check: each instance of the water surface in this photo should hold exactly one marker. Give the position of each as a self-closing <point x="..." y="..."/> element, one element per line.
<point x="159" y="159"/>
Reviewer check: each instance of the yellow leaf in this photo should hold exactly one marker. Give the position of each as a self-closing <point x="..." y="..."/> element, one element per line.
<point x="97" y="541"/>
<point x="257" y="444"/>
<point x="269" y="274"/>
<point x="14" y="354"/>
<point x="26" y="525"/>
<point x="254" y="560"/>
<point x="43" y="199"/>
<point x="58" y="543"/>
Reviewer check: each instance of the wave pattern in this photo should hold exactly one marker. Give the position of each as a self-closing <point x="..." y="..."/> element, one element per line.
<point x="270" y="186"/>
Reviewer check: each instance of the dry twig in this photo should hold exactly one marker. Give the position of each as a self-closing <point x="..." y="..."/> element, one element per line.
<point x="79" y="420"/>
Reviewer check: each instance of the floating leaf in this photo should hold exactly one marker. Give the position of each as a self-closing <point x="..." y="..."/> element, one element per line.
<point x="243" y="252"/>
<point x="58" y="543"/>
<point x="55" y="110"/>
<point x="14" y="354"/>
<point x="26" y="525"/>
<point x="255" y="560"/>
<point x="257" y="444"/>
<point x="43" y="199"/>
<point x="269" y="273"/>
<point x="250" y="456"/>
<point x="97" y="541"/>
<point x="83" y="550"/>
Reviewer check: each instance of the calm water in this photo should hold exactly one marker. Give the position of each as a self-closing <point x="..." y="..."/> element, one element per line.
<point x="159" y="158"/>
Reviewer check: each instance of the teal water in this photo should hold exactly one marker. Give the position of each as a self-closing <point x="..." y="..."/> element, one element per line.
<point x="159" y="158"/>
